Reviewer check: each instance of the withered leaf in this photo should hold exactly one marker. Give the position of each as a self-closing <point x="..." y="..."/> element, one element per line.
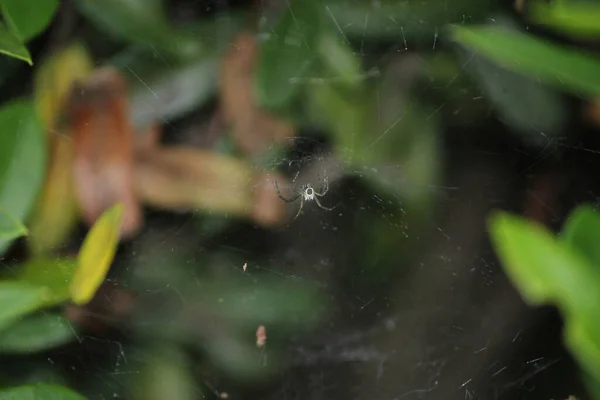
<point x="103" y="169"/>
<point x="253" y="129"/>
<point x="182" y="178"/>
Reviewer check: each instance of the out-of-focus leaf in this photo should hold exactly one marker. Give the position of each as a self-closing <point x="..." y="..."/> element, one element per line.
<point x="10" y="228"/>
<point x="28" y="18"/>
<point x="241" y="358"/>
<point x="521" y="101"/>
<point x="22" y="159"/>
<point x="100" y="127"/>
<point x="96" y="255"/>
<point x="140" y="21"/>
<point x="39" y="391"/>
<point x="412" y="22"/>
<point x="54" y="79"/>
<point x="179" y="178"/>
<point x="12" y="45"/>
<point x="576" y="18"/>
<point x="288" y="54"/>
<point x="546" y="271"/>
<point x="392" y="142"/>
<point x="582" y="233"/>
<point x="539" y="265"/>
<point x="36" y="333"/>
<point x="18" y="299"/>
<point x="161" y="91"/>
<point x="568" y="69"/>
<point x="165" y="374"/>
<point x="337" y="56"/>
<point x="271" y="304"/>
<point x="56" y="213"/>
<point x="253" y="130"/>
<point x="51" y="273"/>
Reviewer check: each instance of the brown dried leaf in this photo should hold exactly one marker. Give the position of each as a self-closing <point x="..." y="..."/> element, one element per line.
<point x="177" y="178"/>
<point x="253" y="129"/>
<point x="99" y="122"/>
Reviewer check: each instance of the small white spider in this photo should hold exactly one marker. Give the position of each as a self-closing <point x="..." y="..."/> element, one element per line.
<point x="306" y="193"/>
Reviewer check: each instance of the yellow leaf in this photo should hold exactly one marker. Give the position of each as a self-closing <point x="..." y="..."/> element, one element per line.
<point x="55" y="215"/>
<point x="54" y="80"/>
<point x="56" y="211"/>
<point x="96" y="255"/>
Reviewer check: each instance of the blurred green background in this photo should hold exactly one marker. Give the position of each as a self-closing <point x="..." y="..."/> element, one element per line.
<point x="459" y="145"/>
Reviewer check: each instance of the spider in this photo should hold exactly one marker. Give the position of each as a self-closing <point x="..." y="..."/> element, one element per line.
<point x="305" y="193"/>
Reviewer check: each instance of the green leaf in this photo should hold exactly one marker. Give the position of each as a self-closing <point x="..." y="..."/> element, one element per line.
<point x="36" y="333"/>
<point x="53" y="274"/>
<point x="164" y="374"/>
<point x="542" y="268"/>
<point x="18" y="299"/>
<point x="12" y="45"/>
<point x="274" y="303"/>
<point x="139" y="21"/>
<point x="22" y="158"/>
<point x="573" y="71"/>
<point x="96" y="255"/>
<point x="577" y="18"/>
<point x="28" y="18"/>
<point x="582" y="233"/>
<point x="546" y="271"/>
<point x="520" y="101"/>
<point x="39" y="391"/>
<point x="337" y="56"/>
<point x="407" y="23"/>
<point x="160" y="91"/>
<point x="288" y="56"/>
<point x="10" y="228"/>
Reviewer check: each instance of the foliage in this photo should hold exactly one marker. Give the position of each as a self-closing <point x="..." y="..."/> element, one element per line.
<point x="23" y="21"/>
<point x="309" y="65"/>
<point x="562" y="271"/>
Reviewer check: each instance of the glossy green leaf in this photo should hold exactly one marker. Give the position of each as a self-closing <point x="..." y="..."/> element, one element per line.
<point x="573" y="71"/>
<point x="139" y="21"/>
<point x="582" y="233"/>
<point x="22" y="158"/>
<point x="577" y="18"/>
<point x="39" y="391"/>
<point x="10" y="228"/>
<point x="11" y="45"/>
<point x="96" y="255"/>
<point x="288" y="56"/>
<point x="18" y="299"/>
<point x="36" y="333"/>
<point x="53" y="274"/>
<point x="28" y="18"/>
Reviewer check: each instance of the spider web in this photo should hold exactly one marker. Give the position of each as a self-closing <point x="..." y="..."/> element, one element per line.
<point x="428" y="315"/>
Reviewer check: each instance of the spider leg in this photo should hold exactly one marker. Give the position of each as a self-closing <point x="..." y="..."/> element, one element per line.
<point x="323" y="207"/>
<point x="300" y="209"/>
<point x="281" y="196"/>
<point x="324" y="191"/>
<point x="294" y="181"/>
